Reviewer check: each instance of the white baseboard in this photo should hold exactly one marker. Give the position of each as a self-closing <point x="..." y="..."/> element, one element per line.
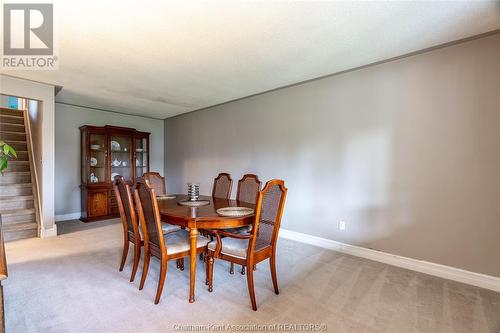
<point x="446" y="272"/>
<point x="51" y="232"/>
<point x="66" y="217"/>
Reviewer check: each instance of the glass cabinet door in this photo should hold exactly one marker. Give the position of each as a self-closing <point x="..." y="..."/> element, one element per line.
<point x="141" y="156"/>
<point x="121" y="156"/>
<point x="97" y="160"/>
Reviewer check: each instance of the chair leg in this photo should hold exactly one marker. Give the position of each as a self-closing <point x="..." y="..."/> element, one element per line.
<point x="231" y="269"/>
<point x="201" y="256"/>
<point x="137" y="256"/>
<point x="210" y="273"/>
<point x="124" y="254"/>
<point x="145" y="267"/>
<point x="161" y="280"/>
<point x="251" y="290"/>
<point x="242" y="270"/>
<point x="272" y="265"/>
<point x="206" y="271"/>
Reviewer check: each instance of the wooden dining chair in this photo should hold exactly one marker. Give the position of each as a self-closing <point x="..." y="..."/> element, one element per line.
<point x="157" y="182"/>
<point x="222" y="186"/>
<point x="248" y="191"/>
<point x="221" y="189"/>
<point x="248" y="188"/>
<point x="166" y="247"/>
<point x="257" y="246"/>
<point x="131" y="231"/>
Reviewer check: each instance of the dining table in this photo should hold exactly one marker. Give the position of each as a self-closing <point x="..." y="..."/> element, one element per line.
<point x="204" y="217"/>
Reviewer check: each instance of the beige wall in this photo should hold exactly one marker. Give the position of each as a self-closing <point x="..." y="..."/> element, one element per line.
<point x="68" y="152"/>
<point x="406" y="152"/>
<point x="43" y="141"/>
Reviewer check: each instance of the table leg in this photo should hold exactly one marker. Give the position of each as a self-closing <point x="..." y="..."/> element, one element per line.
<point x="193" y="236"/>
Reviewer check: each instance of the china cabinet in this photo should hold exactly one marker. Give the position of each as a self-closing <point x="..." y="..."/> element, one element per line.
<point x="106" y="152"/>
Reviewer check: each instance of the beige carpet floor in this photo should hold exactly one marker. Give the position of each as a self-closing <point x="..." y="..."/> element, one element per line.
<point x="71" y="283"/>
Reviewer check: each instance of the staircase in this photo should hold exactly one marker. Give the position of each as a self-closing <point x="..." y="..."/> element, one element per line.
<point x="17" y="202"/>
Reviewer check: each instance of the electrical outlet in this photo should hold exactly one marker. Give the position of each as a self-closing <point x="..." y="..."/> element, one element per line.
<point x="342" y="225"/>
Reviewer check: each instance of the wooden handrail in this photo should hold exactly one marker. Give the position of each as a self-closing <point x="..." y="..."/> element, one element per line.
<point x="34" y="173"/>
<point x="3" y="276"/>
<point x="3" y="260"/>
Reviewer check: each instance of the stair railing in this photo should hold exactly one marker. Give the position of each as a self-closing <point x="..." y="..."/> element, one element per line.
<point x="3" y="276"/>
<point x="34" y="174"/>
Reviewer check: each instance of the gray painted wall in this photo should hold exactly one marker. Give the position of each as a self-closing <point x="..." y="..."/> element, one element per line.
<point x="406" y="152"/>
<point x="68" y="120"/>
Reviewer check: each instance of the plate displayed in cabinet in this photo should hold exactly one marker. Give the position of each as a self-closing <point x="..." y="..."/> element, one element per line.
<point x="115" y="146"/>
<point x="93" y="161"/>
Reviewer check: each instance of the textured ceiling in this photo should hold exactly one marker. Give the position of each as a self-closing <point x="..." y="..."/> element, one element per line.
<point x="162" y="58"/>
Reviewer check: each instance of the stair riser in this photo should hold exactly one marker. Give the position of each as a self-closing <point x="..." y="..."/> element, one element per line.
<point x="21" y="234"/>
<point x="19" y="204"/>
<point x="14" y="179"/>
<point x="22" y="156"/>
<point x="11" y="128"/>
<point x="12" y="136"/>
<point x="11" y="113"/>
<point x="13" y="219"/>
<point x="18" y="146"/>
<point x="11" y="120"/>
<point x="18" y="167"/>
<point x="15" y="190"/>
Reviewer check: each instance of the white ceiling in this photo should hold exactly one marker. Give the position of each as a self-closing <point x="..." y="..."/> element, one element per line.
<point x="162" y="58"/>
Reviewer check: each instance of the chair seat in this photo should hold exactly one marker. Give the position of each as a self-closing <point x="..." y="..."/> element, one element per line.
<point x="168" y="228"/>
<point x="235" y="247"/>
<point x="240" y="230"/>
<point x="179" y="242"/>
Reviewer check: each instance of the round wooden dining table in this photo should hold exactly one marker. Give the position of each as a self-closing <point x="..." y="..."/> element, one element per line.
<point x="202" y="217"/>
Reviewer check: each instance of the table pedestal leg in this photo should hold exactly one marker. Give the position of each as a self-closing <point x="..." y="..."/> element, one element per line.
<point x="193" y="235"/>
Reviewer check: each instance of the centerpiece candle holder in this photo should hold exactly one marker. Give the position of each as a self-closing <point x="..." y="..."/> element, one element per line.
<point x="193" y="191"/>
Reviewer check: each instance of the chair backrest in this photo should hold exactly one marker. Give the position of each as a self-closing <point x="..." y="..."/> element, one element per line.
<point x="149" y="215"/>
<point x="156" y="181"/>
<point x="222" y="186"/>
<point x="268" y="212"/>
<point x="126" y="206"/>
<point x="248" y="188"/>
